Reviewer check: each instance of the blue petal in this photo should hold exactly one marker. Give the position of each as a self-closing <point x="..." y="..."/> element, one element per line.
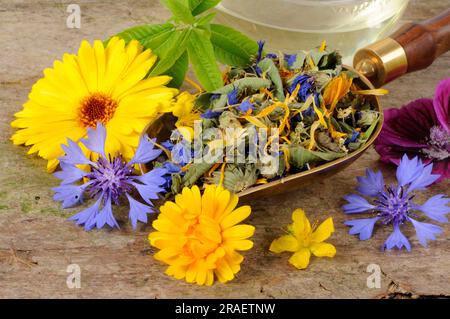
<point x="363" y="227"/>
<point x="210" y="114"/>
<point x="436" y="208"/>
<point x="425" y="179"/>
<point x="372" y="184"/>
<point x="74" y="154"/>
<point x="148" y="192"/>
<point x="356" y="204"/>
<point x="245" y="106"/>
<point x="425" y="231"/>
<point x="233" y="97"/>
<point x="171" y="167"/>
<point x="146" y="151"/>
<point x="290" y="59"/>
<point x="87" y="216"/>
<point x="105" y="216"/>
<point x="408" y="170"/>
<point x="181" y="153"/>
<point x="138" y="212"/>
<point x="69" y="173"/>
<point x="96" y="139"/>
<point x="397" y="239"/>
<point x="261" y="44"/>
<point x="70" y="195"/>
<point x="154" y="177"/>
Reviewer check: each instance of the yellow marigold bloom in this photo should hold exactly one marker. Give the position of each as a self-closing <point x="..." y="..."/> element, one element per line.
<point x="99" y="84"/>
<point x="303" y="240"/>
<point x="336" y="90"/>
<point x="199" y="236"/>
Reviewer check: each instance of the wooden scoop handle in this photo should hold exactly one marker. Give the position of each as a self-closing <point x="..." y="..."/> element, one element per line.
<point x="423" y="42"/>
<point x="413" y="47"/>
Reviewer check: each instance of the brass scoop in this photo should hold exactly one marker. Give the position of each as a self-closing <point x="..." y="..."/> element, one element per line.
<point x="413" y="47"/>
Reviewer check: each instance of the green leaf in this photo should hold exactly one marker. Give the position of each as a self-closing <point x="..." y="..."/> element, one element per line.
<point x="253" y="84"/>
<point x="180" y="9"/>
<point x="204" y="6"/>
<point x="300" y="156"/>
<point x="206" y="19"/>
<point x="232" y="47"/>
<point x="178" y="71"/>
<point x="171" y="50"/>
<point x="201" y="55"/>
<point x="145" y="32"/>
<point x="368" y="133"/>
<point x="267" y="66"/>
<point x="194" y="4"/>
<point x="194" y="172"/>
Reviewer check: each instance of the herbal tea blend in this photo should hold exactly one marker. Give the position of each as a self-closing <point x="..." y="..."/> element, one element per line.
<point x="312" y="104"/>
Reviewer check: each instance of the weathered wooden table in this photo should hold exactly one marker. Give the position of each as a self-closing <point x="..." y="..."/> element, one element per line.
<point x="37" y="243"/>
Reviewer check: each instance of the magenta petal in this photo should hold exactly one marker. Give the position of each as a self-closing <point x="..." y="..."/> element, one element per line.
<point x="441" y="103"/>
<point x="405" y="130"/>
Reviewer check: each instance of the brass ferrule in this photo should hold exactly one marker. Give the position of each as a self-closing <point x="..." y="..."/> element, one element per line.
<point x="382" y="61"/>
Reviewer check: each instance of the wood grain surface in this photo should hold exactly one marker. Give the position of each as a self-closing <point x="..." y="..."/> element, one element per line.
<point x="37" y="243"/>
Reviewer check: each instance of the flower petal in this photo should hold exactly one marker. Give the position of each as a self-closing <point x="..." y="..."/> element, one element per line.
<point x="238" y="232"/>
<point x="372" y="184"/>
<point x="138" y="211"/>
<point x="397" y="239"/>
<point x="70" y="195"/>
<point x="356" y="204"/>
<point x="235" y="217"/>
<point x="425" y="179"/>
<point x="409" y="170"/>
<point x="300" y="259"/>
<point x="96" y="139"/>
<point x="323" y="250"/>
<point x="441" y="103"/>
<point x="105" y="216"/>
<point x="154" y="177"/>
<point x="425" y="231"/>
<point x="69" y="173"/>
<point x="323" y="232"/>
<point x="87" y="217"/>
<point x="301" y="223"/>
<point x="74" y="154"/>
<point x="146" y="151"/>
<point x="284" y="243"/>
<point x="363" y="227"/>
<point x="148" y="192"/>
<point x="436" y="208"/>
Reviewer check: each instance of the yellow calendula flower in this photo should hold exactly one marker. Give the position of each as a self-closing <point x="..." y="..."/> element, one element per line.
<point x="199" y="236"/>
<point x="99" y="84"/>
<point x="303" y="240"/>
<point x="336" y="90"/>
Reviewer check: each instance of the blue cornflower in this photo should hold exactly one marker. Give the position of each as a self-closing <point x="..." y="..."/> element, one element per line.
<point x="182" y="152"/>
<point x="108" y="181"/>
<point x="290" y="59"/>
<point x="233" y="96"/>
<point x="306" y="88"/>
<point x="210" y="114"/>
<point x="271" y="56"/>
<point x="245" y="106"/>
<point x="261" y="44"/>
<point x="394" y="205"/>
<point x="353" y="138"/>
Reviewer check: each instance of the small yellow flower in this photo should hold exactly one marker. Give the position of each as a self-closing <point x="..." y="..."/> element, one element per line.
<point x="199" y="236"/>
<point x="303" y="240"/>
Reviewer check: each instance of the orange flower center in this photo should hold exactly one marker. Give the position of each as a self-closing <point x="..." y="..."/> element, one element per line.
<point x="98" y="107"/>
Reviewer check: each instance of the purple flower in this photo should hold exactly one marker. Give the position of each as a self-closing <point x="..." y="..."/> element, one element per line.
<point x="394" y="205"/>
<point x="108" y="181"/>
<point x="420" y="128"/>
<point x="210" y="114"/>
<point x="245" y="106"/>
<point x="233" y="96"/>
